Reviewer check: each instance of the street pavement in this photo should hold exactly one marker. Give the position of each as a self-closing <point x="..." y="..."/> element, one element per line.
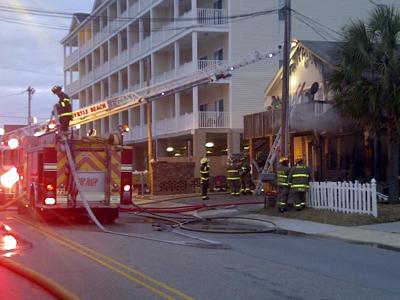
<point x="386" y="235"/>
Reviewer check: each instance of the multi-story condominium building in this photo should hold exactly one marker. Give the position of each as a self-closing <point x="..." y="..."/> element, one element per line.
<point x="123" y="45"/>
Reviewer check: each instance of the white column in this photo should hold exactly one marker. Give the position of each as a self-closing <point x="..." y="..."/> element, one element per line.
<point x="194" y="8"/>
<point x="141" y="33"/>
<point x="176" y="9"/>
<point x="177" y="109"/>
<point x="194" y="51"/>
<point x="195" y="107"/>
<point x="177" y="56"/>
<point x="141" y="73"/>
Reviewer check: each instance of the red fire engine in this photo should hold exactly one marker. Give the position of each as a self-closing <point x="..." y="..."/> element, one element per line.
<point x="103" y="170"/>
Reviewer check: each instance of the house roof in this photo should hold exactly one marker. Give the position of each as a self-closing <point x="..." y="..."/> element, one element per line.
<point x="325" y="51"/>
<point x="77" y="19"/>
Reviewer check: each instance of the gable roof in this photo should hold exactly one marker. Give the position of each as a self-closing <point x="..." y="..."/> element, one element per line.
<point x="324" y="51"/>
<point x="77" y="19"/>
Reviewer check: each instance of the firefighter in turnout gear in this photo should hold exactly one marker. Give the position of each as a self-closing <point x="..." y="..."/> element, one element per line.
<point x="233" y="175"/>
<point x="299" y="178"/>
<point x="245" y="176"/>
<point x="204" y="177"/>
<point x="63" y="108"/>
<point x="282" y="182"/>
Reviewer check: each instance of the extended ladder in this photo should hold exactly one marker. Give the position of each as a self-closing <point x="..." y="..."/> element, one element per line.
<point x="141" y="96"/>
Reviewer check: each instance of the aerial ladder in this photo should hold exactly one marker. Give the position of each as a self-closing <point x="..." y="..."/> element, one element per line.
<point x="150" y="93"/>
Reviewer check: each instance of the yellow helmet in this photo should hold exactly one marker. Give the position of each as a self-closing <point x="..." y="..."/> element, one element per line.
<point x="204" y="160"/>
<point x="284" y="159"/>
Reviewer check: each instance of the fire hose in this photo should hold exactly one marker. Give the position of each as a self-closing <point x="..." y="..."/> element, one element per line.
<point x="204" y="243"/>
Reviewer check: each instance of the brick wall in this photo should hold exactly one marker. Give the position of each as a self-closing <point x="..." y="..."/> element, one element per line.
<point x="173" y="178"/>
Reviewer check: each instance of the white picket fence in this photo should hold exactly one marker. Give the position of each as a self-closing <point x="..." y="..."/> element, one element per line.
<point x="348" y="197"/>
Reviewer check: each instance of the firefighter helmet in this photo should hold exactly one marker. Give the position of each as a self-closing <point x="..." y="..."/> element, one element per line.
<point x="56" y="89"/>
<point x="284" y="159"/>
<point x="204" y="160"/>
<point x="299" y="159"/>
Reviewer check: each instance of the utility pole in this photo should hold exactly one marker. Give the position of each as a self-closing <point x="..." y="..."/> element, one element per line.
<point x="149" y="131"/>
<point x="30" y="91"/>
<point x="285" y="80"/>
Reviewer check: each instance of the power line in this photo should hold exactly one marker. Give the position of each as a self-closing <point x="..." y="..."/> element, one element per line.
<point x="14" y="94"/>
<point x="220" y="20"/>
<point x="322" y="27"/>
<point x="66" y="15"/>
<point x="30" y="71"/>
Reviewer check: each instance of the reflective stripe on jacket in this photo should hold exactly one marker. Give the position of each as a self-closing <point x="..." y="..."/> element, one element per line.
<point x="282" y="176"/>
<point x="233" y="173"/>
<point x="64" y="107"/>
<point x="204" y="173"/>
<point x="299" y="178"/>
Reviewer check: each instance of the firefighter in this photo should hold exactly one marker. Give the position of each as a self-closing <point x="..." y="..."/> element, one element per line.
<point x="233" y="175"/>
<point x="63" y="108"/>
<point x="299" y="178"/>
<point x="204" y="177"/>
<point x="245" y="176"/>
<point x="282" y="182"/>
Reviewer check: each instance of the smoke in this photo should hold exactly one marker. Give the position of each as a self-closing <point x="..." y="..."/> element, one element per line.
<point x="322" y="117"/>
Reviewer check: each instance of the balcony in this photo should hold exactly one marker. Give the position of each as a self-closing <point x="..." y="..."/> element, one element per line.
<point x="134" y="50"/>
<point x="73" y="87"/>
<point x="213" y="119"/>
<point x="114" y="62"/>
<point x="211" y="16"/>
<point x="87" y="78"/>
<point x="86" y="47"/>
<point x="73" y="57"/>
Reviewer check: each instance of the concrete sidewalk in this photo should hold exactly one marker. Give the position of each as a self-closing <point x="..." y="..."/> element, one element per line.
<point x="385" y="234"/>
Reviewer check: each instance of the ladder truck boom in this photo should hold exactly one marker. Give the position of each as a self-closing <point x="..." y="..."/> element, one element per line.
<point x="144" y="95"/>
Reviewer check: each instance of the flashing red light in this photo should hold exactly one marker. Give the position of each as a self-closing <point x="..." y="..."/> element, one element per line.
<point x="50" y="187"/>
<point x="127" y="188"/>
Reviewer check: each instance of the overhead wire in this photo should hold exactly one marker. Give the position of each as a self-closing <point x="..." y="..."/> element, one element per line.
<point x="58" y="14"/>
<point x="30" y="71"/>
<point x="316" y="26"/>
<point x="221" y="20"/>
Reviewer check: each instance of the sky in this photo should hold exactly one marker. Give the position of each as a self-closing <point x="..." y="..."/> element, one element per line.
<point x="31" y="55"/>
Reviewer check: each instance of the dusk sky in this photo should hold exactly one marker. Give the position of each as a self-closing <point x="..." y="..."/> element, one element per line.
<point x="31" y="55"/>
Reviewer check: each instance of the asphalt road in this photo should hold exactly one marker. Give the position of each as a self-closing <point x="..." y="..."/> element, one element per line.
<point x="96" y="265"/>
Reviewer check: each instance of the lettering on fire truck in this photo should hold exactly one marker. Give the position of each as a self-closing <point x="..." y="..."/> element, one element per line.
<point x="87" y="181"/>
<point x="91" y="109"/>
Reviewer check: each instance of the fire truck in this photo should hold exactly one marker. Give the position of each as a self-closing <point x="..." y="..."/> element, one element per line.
<point x="45" y="182"/>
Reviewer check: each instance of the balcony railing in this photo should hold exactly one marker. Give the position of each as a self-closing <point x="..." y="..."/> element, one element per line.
<point x="114" y="62"/>
<point x="86" y="47"/>
<point x="134" y="50"/>
<point x="73" y="57"/>
<point x="210" y="65"/>
<point x="73" y="87"/>
<point x="211" y="16"/>
<point x="213" y="119"/>
<point x="123" y="57"/>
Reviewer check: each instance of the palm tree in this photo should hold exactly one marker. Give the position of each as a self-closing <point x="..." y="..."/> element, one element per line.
<point x="366" y="81"/>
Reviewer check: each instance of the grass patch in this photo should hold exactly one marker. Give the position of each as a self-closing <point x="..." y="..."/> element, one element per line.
<point x="386" y="213"/>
